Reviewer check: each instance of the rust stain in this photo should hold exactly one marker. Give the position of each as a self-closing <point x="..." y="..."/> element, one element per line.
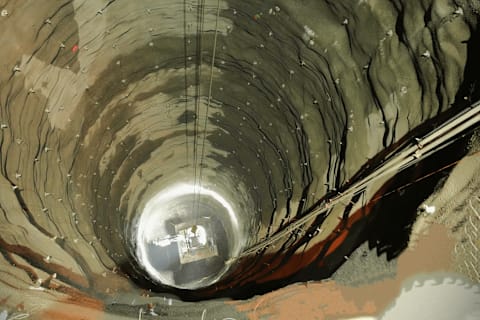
<point x="337" y="242"/>
<point x="70" y="313"/>
<point x="330" y="244"/>
<point x="4" y="301"/>
<point x="37" y="260"/>
<point x="20" y="307"/>
<point x="76" y="306"/>
<point x="319" y="301"/>
<point x="275" y="270"/>
<point x="329" y="300"/>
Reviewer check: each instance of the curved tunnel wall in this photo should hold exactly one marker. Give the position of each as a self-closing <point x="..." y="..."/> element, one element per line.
<point x="273" y="105"/>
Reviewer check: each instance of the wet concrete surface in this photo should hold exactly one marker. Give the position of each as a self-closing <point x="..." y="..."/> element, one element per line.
<point x="276" y="105"/>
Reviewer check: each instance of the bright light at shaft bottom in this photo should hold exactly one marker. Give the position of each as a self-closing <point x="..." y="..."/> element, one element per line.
<point x="185" y="235"/>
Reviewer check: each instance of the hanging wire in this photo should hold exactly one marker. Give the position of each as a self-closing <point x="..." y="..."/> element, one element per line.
<point x="198" y="74"/>
<point x="198" y="163"/>
<point x="209" y="100"/>
<point x="185" y="61"/>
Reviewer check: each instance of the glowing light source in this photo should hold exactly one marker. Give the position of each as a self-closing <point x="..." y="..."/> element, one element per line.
<point x="181" y="228"/>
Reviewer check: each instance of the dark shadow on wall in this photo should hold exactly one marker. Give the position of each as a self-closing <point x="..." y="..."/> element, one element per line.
<point x="385" y="222"/>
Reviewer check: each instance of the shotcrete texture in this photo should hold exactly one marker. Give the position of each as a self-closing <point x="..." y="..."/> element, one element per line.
<point x="273" y="104"/>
